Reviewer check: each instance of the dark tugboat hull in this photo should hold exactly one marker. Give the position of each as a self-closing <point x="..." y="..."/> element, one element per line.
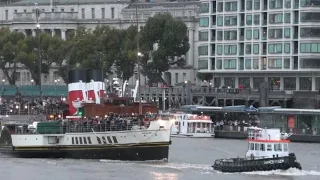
<point x="127" y="153"/>
<point x="267" y="164"/>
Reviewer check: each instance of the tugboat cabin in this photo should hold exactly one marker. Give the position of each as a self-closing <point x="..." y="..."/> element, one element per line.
<point x="266" y="143"/>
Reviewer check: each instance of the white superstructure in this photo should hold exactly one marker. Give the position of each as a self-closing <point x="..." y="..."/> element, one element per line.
<point x="158" y="131"/>
<point x="189" y="125"/>
<point x="267" y="143"/>
<point x="247" y="42"/>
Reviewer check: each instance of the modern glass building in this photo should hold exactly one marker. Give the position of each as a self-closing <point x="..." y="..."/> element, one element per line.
<point x="246" y="42"/>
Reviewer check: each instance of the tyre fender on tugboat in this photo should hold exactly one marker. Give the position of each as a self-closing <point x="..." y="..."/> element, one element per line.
<point x="252" y="157"/>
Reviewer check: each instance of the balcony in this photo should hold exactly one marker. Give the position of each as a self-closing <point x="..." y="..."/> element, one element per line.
<point x="45" y="16"/>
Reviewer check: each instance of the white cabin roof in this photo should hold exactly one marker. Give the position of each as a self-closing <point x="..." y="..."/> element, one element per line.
<point x="266" y="135"/>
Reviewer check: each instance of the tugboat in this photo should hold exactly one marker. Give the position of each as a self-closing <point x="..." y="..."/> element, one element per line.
<point x="267" y="150"/>
<point x="94" y="129"/>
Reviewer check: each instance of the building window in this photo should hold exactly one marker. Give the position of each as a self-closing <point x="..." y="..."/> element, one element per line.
<point x="72" y="10"/>
<point x="287" y="17"/>
<point x="305" y="83"/>
<point x="248" y="64"/>
<point x="249" y="5"/>
<point x="256" y="19"/>
<point x="275" y="63"/>
<point x="248" y="34"/>
<point x="230" y="49"/>
<point x="275" y="18"/>
<point x="6" y="14"/>
<point x="229" y="82"/>
<point x="204" y="8"/>
<point x="255" y="64"/>
<point x="203" y="50"/>
<point x="220" y="7"/>
<point x="289" y="83"/>
<point x="230" y="20"/>
<point x="203" y="36"/>
<point x="103" y="13"/>
<point x="230" y="35"/>
<point x="219" y="21"/>
<point x="256" y="4"/>
<point x="248" y="49"/>
<point x="275" y="48"/>
<point x="112" y="13"/>
<point x="219" y="35"/>
<point x="286" y="47"/>
<point x="177" y="76"/>
<point x="204" y="22"/>
<point x="256" y="34"/>
<point x="286" y="63"/>
<point x="256" y="49"/>
<point x="230" y="64"/>
<point x="276" y="4"/>
<point x="93" y="13"/>
<point x="244" y="81"/>
<point x="274" y="83"/>
<point x="249" y="19"/>
<point x="257" y="81"/>
<point x="219" y="49"/>
<point x="275" y="33"/>
<point x="219" y="64"/>
<point x="287" y="32"/>
<point x="231" y="6"/>
<point x="287" y="4"/>
<point x="203" y="64"/>
<point x="310" y="47"/>
<point x="217" y="81"/>
<point x="83" y="14"/>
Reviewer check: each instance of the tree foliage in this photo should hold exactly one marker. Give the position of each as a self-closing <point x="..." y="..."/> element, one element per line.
<point x="113" y="50"/>
<point x="164" y="44"/>
<point x="205" y="76"/>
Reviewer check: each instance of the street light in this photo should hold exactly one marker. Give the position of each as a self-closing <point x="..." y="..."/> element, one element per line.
<point x="32" y="81"/>
<point x="3" y="81"/>
<point x="38" y="44"/>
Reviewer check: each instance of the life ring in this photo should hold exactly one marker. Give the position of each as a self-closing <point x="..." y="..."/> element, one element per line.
<point x="252" y="157"/>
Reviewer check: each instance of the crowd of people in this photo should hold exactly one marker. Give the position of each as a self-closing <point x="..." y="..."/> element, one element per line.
<point x="31" y="106"/>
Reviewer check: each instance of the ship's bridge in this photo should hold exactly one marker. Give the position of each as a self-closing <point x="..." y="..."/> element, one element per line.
<point x="256" y="133"/>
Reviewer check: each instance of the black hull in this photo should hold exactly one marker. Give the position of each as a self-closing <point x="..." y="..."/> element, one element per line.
<point x="266" y="164"/>
<point x="130" y="153"/>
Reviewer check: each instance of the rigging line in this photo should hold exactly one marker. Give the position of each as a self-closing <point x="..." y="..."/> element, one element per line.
<point x="227" y="152"/>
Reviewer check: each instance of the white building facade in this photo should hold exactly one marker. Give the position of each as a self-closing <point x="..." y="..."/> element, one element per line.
<point x="59" y="17"/>
<point x="246" y="42"/>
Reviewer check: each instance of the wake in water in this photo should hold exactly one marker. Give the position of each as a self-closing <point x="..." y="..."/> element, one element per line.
<point x="289" y="172"/>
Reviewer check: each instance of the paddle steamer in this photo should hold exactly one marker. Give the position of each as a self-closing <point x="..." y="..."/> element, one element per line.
<point x="96" y="128"/>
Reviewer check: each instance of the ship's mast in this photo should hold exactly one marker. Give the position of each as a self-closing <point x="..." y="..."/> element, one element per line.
<point x="138" y="60"/>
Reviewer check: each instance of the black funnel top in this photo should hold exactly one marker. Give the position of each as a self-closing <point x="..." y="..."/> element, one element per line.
<point x="94" y="74"/>
<point x="76" y="75"/>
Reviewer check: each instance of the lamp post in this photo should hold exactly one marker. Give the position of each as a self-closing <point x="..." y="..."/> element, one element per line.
<point x="3" y="81"/>
<point x="39" y="53"/>
<point x="139" y="54"/>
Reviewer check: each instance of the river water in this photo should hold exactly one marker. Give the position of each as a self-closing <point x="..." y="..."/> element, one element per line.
<point x="190" y="159"/>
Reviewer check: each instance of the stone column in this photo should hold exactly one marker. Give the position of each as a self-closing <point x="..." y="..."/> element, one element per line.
<point x="281" y="83"/>
<point x="313" y="81"/>
<point x="34" y="32"/>
<point x="63" y="34"/>
<point x="297" y="83"/>
<point x="53" y="32"/>
<point x="191" y="50"/>
<point x="251" y="82"/>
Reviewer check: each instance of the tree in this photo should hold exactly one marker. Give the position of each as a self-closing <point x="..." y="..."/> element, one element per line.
<point x="96" y="49"/>
<point x="51" y="49"/>
<point x="9" y="50"/>
<point x="169" y="36"/>
<point x="205" y="76"/>
<point x="127" y="57"/>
